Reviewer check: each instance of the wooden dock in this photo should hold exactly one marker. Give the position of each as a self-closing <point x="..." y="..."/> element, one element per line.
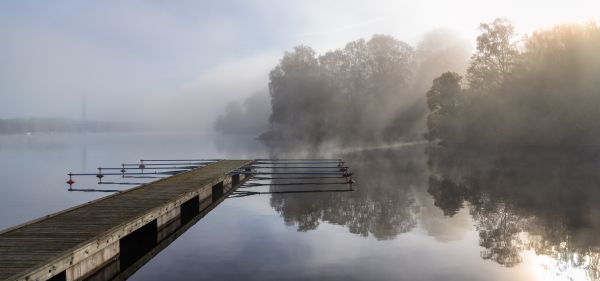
<point x="116" y="230"/>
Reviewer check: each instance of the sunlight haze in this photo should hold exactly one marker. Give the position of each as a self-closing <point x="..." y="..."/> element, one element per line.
<point x="129" y="57"/>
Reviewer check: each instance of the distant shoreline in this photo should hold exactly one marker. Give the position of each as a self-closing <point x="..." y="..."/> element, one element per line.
<point x="37" y="125"/>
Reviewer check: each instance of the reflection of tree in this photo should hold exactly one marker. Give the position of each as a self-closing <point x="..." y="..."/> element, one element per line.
<point x="447" y="195"/>
<point x="499" y="235"/>
<point x="381" y="205"/>
<point x="527" y="199"/>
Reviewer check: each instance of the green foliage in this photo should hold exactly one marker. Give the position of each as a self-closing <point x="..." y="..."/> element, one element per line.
<point x="344" y="94"/>
<point x="445" y="100"/>
<point x="445" y="96"/>
<point x="494" y="57"/>
<point x="546" y="94"/>
<point x="368" y="91"/>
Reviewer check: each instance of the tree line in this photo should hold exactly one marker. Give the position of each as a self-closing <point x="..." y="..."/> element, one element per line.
<point x="368" y="91"/>
<point x="540" y="90"/>
<point x="59" y="125"/>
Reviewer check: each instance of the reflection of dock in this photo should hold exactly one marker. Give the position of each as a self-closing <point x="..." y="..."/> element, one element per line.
<point x="117" y="231"/>
<point x="114" y="271"/>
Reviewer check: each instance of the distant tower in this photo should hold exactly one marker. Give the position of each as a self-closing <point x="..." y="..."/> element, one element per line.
<point x="82" y="124"/>
<point x="83" y="109"/>
<point x="82" y="129"/>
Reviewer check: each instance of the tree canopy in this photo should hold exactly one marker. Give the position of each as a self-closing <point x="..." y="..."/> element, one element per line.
<point x="368" y="91"/>
<point x="544" y="91"/>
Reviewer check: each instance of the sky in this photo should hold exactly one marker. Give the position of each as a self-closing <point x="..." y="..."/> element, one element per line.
<point x="176" y="64"/>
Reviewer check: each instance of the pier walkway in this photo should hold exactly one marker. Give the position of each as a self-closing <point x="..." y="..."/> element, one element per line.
<point x="75" y="243"/>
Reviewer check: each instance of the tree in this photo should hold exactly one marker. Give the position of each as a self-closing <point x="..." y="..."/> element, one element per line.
<point x="555" y="87"/>
<point x="345" y="95"/>
<point x="444" y="99"/>
<point x="494" y="57"/>
<point x="299" y="91"/>
<point x="250" y="117"/>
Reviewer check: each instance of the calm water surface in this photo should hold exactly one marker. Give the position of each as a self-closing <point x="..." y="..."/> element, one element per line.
<point x="416" y="213"/>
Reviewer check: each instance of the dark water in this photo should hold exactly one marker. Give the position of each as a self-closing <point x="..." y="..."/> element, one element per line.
<point x="415" y="213"/>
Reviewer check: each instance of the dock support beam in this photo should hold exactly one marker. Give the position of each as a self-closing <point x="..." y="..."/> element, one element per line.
<point x="136" y="244"/>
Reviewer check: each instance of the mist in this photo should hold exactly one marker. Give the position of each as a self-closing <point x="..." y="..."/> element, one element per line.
<point x="368" y="92"/>
<point x="248" y="117"/>
<point x="175" y="66"/>
<point x="300" y="140"/>
<point x="537" y="89"/>
<point x="540" y="90"/>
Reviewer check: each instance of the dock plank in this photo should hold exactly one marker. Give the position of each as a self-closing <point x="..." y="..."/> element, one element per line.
<point x="43" y="241"/>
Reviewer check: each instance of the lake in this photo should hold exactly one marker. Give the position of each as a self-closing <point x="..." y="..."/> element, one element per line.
<point x="416" y="212"/>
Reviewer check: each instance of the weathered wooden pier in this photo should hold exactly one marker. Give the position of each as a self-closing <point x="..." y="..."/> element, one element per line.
<point x="110" y="238"/>
<point x="117" y="231"/>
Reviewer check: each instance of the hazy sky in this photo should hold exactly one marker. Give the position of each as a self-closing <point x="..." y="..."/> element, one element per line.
<point x="179" y="62"/>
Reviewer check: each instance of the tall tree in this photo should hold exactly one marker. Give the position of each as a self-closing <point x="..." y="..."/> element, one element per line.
<point x="297" y="90"/>
<point x="444" y="99"/>
<point x="494" y="58"/>
<point x="348" y="94"/>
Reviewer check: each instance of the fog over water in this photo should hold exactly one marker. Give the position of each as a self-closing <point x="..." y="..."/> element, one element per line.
<point x="176" y="65"/>
<point x="416" y="213"/>
<point x="470" y="127"/>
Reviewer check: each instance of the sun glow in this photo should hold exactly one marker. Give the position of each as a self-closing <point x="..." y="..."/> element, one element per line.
<point x="527" y="15"/>
<point x="561" y="268"/>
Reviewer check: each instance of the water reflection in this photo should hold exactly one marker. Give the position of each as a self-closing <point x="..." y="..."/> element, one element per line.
<point x="527" y="199"/>
<point x="382" y="203"/>
<point x="520" y="201"/>
<point x="439" y="212"/>
<point x="142" y="245"/>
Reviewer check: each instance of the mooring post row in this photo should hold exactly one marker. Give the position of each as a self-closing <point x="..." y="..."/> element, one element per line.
<point x="104" y="247"/>
<point x="106" y="239"/>
<point x="6" y="230"/>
